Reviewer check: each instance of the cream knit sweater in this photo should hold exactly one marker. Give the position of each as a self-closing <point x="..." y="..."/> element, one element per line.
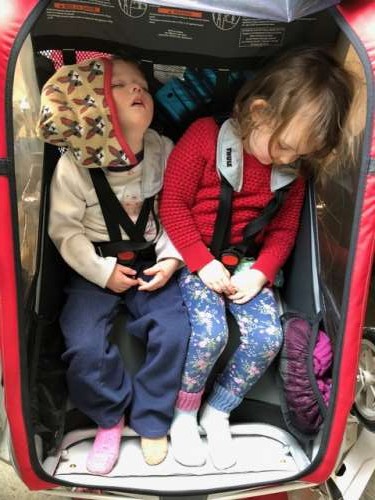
<point x="76" y="219"/>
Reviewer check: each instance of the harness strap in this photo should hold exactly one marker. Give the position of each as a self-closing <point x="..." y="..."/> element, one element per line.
<point x="268" y="213"/>
<point x="115" y="215"/>
<point x="125" y="251"/>
<point x="255" y="226"/>
<point x="220" y="237"/>
<point x="219" y="244"/>
<point x="229" y="163"/>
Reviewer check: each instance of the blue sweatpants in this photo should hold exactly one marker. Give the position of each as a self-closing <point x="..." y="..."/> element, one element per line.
<point x="260" y="340"/>
<point x="98" y="382"/>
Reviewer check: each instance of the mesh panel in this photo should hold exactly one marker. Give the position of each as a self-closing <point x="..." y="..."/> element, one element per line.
<point x="82" y="55"/>
<point x="57" y="58"/>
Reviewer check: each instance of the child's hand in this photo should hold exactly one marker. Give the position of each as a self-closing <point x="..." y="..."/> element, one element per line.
<point x="122" y="278"/>
<point x="161" y="272"/>
<point x="247" y="283"/>
<point x="216" y="277"/>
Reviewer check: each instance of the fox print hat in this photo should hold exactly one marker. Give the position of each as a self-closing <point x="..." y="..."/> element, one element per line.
<point x="78" y="112"/>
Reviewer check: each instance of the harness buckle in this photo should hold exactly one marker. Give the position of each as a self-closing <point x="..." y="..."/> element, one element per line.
<point x="126" y="258"/>
<point x="230" y="258"/>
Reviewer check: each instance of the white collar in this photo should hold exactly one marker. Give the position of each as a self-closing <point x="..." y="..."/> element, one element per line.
<point x="229" y="160"/>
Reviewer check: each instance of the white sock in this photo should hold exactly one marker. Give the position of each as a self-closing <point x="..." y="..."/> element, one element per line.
<point x="220" y="443"/>
<point x="186" y="443"/>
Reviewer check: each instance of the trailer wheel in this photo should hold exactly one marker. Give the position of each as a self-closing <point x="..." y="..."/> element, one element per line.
<point x="364" y="404"/>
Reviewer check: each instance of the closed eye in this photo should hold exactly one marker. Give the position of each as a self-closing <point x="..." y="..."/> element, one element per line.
<point x="284" y="147"/>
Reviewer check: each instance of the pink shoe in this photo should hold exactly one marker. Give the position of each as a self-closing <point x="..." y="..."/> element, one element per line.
<point x="105" y="450"/>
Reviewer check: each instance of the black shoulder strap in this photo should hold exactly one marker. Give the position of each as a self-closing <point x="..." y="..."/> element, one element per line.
<point x="220" y="98"/>
<point x="115" y="215"/>
<point x="248" y="244"/>
<point x="267" y="214"/>
<point x="220" y="238"/>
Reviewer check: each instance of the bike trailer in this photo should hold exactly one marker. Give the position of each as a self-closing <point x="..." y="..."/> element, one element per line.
<point x="196" y="54"/>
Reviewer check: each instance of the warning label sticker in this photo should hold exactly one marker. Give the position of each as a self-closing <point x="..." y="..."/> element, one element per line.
<point x="179" y="12"/>
<point x="183" y="22"/>
<point x="95" y="10"/>
<point x="127" y="23"/>
<point x="256" y="33"/>
<point x="77" y="7"/>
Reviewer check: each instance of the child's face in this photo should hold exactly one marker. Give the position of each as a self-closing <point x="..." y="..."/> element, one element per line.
<point x="290" y="145"/>
<point x="134" y="104"/>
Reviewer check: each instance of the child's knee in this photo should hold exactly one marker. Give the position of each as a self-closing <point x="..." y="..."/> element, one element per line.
<point x="216" y="342"/>
<point x="275" y="339"/>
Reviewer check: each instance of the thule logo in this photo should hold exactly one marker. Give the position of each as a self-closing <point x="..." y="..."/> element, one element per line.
<point x="229" y="157"/>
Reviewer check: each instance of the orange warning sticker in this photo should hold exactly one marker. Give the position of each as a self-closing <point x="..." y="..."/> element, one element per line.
<point x="179" y="12"/>
<point x="77" y="7"/>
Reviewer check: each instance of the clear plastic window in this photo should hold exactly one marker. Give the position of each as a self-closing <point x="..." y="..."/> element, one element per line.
<point x="28" y="155"/>
<point x="336" y="197"/>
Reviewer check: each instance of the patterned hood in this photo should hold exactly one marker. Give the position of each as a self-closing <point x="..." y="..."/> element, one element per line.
<point x="78" y="112"/>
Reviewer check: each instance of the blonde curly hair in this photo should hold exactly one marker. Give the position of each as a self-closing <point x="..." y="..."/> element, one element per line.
<point x="309" y="79"/>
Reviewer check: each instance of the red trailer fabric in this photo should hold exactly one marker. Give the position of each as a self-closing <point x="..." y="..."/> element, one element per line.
<point x="16" y="12"/>
<point x="360" y="16"/>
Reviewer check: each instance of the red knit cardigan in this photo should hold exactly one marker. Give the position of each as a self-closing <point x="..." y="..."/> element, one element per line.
<point x="190" y="200"/>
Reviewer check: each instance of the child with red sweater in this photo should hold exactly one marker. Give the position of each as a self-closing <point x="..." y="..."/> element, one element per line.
<point x="293" y="109"/>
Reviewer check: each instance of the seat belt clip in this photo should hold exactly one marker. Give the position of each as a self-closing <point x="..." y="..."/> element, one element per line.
<point x="230" y="259"/>
<point x="126" y="258"/>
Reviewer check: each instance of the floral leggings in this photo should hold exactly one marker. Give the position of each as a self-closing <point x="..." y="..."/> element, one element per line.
<point x="260" y="341"/>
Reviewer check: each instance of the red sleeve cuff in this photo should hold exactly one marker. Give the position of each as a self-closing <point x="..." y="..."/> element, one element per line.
<point x="266" y="268"/>
<point x="196" y="256"/>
